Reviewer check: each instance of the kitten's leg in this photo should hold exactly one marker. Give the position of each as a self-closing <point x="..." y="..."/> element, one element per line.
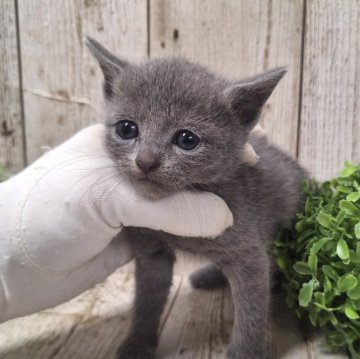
<point x="248" y="275"/>
<point x="208" y="277"/>
<point x="153" y="281"/>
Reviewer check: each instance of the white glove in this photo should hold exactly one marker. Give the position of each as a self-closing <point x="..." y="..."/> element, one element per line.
<point x="58" y="217"/>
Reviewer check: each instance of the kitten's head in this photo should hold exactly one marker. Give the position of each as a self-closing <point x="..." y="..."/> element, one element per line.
<point x="172" y="124"/>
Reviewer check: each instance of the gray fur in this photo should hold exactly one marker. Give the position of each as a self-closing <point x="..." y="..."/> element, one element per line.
<point x="166" y="95"/>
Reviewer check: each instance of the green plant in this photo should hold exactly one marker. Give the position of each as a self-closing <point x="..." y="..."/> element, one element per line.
<point x="320" y="259"/>
<point x="3" y="173"/>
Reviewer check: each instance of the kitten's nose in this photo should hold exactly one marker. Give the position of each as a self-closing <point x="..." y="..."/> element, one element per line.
<point x="147" y="162"/>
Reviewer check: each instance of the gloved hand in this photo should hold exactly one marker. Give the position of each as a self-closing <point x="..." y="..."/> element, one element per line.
<point x="58" y="218"/>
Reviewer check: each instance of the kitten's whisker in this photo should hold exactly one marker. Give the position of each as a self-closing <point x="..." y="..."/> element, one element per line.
<point x="94" y="168"/>
<point x="88" y="153"/>
<point x="110" y="186"/>
<point x="89" y="174"/>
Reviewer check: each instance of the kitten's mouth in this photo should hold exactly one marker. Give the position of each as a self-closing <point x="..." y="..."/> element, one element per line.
<point x="150" y="187"/>
<point x="148" y="180"/>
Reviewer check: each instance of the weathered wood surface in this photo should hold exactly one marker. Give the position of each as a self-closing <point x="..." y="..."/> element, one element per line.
<point x="239" y="39"/>
<point x="11" y="132"/>
<point x="195" y="324"/>
<point x="330" y="111"/>
<point x="314" y="113"/>
<point x="62" y="83"/>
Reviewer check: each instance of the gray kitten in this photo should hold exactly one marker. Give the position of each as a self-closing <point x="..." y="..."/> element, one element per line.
<point x="172" y="125"/>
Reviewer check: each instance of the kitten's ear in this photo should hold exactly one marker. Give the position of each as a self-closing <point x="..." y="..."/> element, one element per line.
<point x="110" y="65"/>
<point x="246" y="98"/>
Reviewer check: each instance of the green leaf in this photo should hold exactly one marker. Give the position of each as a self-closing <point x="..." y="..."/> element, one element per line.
<point x="330" y="272"/>
<point x="302" y="225"/>
<point x="304" y="235"/>
<point x="313" y="315"/>
<point x="308" y="207"/>
<point x="350" y="208"/>
<point x="353" y="197"/>
<point x="346" y="283"/>
<point x="330" y="246"/>
<point x="290" y="300"/>
<point x="354" y="293"/>
<point x="312" y="262"/>
<point x="337" y="338"/>
<point x="348" y="170"/>
<point x="342" y="249"/>
<point x="320" y="298"/>
<point x="353" y="257"/>
<point x="323" y="321"/>
<point x="357" y="231"/>
<point x="319" y="244"/>
<point x="356" y="304"/>
<point x="302" y="268"/>
<point x="305" y="294"/>
<point x="350" y="311"/>
<point x="327" y="285"/>
<point x="281" y="262"/>
<point x="343" y="181"/>
<point x="325" y="220"/>
<point x="340" y="217"/>
<point x="333" y="319"/>
<point x="294" y="284"/>
<point x="344" y="189"/>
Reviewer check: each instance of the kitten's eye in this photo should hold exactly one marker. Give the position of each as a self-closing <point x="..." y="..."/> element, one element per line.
<point x="127" y="129"/>
<point x="186" y="140"/>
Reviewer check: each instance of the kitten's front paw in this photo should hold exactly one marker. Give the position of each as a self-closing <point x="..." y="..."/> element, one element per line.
<point x="133" y="350"/>
<point x="245" y="354"/>
<point x="135" y="354"/>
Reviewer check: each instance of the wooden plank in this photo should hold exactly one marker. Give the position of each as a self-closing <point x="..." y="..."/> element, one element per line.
<point x="330" y="111"/>
<point x="195" y="324"/>
<point x="38" y="336"/>
<point x="316" y="345"/>
<point x="91" y="326"/>
<point x="106" y="322"/>
<point x="70" y="330"/>
<point x="11" y="133"/>
<point x="239" y="39"/>
<point x="62" y="83"/>
<point x="195" y="328"/>
<point x="201" y="322"/>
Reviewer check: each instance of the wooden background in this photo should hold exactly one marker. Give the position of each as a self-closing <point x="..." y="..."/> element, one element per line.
<point x="50" y="86"/>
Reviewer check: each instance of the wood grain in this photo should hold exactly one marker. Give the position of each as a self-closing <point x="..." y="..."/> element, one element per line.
<point x="88" y="327"/>
<point x="11" y="132"/>
<point x="62" y="84"/>
<point x="330" y="111"/>
<point x="239" y="39"/>
<point x="194" y="329"/>
<point x="195" y="324"/>
<point x="62" y="93"/>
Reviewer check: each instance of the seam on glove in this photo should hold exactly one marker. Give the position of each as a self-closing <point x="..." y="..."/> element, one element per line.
<point x="19" y="237"/>
<point x="97" y="214"/>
